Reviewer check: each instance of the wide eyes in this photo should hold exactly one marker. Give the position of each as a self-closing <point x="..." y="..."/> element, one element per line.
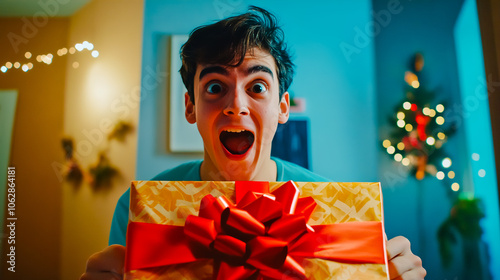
<point x="214" y="88"/>
<point x="258" y="87"/>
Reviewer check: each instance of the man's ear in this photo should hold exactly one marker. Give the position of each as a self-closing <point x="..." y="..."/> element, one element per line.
<point x="190" y="111"/>
<point x="284" y="108"/>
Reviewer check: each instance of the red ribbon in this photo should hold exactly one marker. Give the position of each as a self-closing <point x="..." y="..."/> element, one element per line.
<point x="263" y="235"/>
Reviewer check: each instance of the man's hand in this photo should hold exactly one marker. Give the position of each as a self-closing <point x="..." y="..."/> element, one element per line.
<point x="403" y="264"/>
<point x="106" y="264"/>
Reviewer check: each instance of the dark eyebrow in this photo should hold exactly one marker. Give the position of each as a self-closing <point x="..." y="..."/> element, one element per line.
<point x="214" y="69"/>
<point x="260" y="68"/>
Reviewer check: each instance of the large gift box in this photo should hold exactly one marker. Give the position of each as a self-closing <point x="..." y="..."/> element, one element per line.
<point x="255" y="230"/>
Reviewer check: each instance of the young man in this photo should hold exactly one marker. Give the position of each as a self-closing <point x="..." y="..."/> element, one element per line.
<point x="237" y="72"/>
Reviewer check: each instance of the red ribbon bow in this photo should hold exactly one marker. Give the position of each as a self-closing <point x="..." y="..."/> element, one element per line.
<point x="262" y="236"/>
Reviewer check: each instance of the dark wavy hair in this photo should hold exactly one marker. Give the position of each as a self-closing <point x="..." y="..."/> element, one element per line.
<point x="227" y="41"/>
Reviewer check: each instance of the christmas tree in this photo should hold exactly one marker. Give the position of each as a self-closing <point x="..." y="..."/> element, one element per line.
<point x="419" y="130"/>
<point x="418" y="133"/>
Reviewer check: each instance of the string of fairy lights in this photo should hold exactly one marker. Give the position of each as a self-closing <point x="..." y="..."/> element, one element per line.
<point x="47" y="58"/>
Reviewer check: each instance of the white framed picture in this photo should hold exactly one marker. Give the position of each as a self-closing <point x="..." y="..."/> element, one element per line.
<point x="183" y="136"/>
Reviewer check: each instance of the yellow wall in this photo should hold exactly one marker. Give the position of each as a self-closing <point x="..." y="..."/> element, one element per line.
<point x="60" y="225"/>
<point x="97" y="97"/>
<point x="38" y="127"/>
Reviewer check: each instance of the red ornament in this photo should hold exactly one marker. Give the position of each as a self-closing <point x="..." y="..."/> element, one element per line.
<point x="422" y="122"/>
<point x="411" y="142"/>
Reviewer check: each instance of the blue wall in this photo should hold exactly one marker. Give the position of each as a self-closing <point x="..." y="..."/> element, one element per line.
<point x="351" y="75"/>
<point x="421" y="206"/>
<point x="476" y="122"/>
<point x="339" y="93"/>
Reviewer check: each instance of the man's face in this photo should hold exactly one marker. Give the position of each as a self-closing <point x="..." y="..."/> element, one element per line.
<point x="237" y="110"/>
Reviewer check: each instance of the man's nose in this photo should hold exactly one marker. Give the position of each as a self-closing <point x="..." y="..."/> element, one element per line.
<point x="237" y="103"/>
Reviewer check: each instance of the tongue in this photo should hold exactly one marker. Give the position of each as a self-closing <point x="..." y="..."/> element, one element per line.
<point x="237" y="143"/>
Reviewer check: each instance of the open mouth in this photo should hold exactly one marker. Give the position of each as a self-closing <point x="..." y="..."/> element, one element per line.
<point x="237" y="141"/>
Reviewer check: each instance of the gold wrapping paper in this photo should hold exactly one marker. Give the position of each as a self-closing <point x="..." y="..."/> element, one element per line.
<point x="170" y="202"/>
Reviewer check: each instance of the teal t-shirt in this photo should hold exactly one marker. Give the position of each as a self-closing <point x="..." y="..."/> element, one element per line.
<point x="190" y="171"/>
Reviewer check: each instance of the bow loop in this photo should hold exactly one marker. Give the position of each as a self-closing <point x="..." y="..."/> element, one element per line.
<point x="267" y="253"/>
<point x="264" y="209"/>
<point x="288" y="228"/>
<point x="229" y="245"/>
<point x="287" y="194"/>
<point x="241" y="223"/>
<point x="250" y="197"/>
<point x="200" y="229"/>
<point x="306" y="206"/>
<point x="212" y="208"/>
<point x="227" y="271"/>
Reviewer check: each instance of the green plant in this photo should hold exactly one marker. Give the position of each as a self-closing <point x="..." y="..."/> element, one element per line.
<point x="464" y="219"/>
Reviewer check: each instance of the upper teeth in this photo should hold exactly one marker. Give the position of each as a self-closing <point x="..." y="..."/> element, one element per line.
<point x="234" y="130"/>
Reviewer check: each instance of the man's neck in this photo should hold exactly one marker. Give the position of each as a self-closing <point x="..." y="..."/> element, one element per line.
<point x="268" y="171"/>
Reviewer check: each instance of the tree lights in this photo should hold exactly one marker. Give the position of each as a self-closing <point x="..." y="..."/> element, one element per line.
<point x="419" y="131"/>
